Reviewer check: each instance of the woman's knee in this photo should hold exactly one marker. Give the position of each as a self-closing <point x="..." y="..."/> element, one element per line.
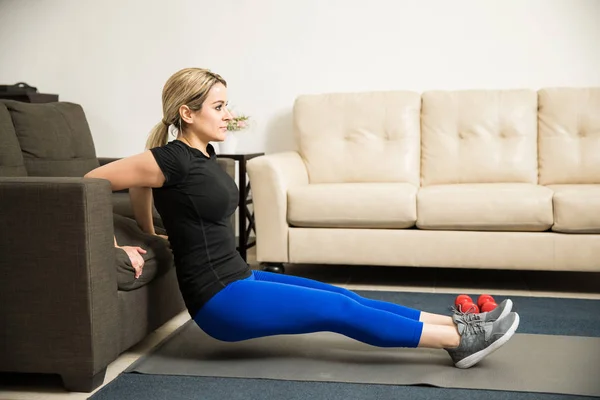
<point x="350" y="294"/>
<point x="337" y="307"/>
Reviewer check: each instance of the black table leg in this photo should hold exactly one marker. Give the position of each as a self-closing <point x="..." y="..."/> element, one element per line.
<point x="242" y="215"/>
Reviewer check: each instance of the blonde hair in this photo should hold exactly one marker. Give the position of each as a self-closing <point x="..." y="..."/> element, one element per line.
<point x="189" y="86"/>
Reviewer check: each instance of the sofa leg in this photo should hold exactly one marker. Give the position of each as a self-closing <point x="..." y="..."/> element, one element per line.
<point x="83" y="383"/>
<point x="273" y="267"/>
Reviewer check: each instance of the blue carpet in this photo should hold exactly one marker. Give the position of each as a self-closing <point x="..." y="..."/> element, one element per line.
<point x="550" y="316"/>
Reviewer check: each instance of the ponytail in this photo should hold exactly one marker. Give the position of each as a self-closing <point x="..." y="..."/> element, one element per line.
<point x="159" y="136"/>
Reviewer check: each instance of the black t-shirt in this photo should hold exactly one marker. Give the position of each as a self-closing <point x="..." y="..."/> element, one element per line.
<point x="195" y="203"/>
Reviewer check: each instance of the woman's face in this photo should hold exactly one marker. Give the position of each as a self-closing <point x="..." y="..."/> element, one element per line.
<point x="210" y="122"/>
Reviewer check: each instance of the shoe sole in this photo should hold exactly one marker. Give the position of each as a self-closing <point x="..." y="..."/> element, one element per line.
<point x="481" y="354"/>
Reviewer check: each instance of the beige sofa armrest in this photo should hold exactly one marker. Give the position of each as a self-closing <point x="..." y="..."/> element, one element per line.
<point x="271" y="176"/>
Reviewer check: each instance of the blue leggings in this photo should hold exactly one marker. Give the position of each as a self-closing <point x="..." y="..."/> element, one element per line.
<point x="267" y="304"/>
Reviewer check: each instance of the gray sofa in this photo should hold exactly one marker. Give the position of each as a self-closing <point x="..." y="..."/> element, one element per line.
<point x="69" y="303"/>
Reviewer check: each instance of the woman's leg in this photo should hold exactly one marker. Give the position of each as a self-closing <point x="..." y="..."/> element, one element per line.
<point x="253" y="308"/>
<point x="407" y="312"/>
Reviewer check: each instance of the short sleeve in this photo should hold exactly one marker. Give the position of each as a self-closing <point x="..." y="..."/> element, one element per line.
<point x="173" y="160"/>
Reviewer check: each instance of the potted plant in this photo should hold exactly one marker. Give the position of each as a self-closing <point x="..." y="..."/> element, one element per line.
<point x="239" y="122"/>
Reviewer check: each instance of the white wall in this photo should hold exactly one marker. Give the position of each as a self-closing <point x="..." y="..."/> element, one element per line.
<point x="113" y="56"/>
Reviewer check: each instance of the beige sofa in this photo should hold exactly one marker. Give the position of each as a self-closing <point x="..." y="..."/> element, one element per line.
<point x="504" y="179"/>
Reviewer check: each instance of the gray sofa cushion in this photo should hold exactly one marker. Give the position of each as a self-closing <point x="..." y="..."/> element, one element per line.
<point x="158" y="259"/>
<point x="11" y="158"/>
<point x="55" y="138"/>
<point x="122" y="206"/>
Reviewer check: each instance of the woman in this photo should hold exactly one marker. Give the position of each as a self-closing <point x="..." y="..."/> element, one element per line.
<point x="229" y="301"/>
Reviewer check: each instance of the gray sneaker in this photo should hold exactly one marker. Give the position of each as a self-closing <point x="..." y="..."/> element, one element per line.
<point x="497" y="313"/>
<point x="480" y="339"/>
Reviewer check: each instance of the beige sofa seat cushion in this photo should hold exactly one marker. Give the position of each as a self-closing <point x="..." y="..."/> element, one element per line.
<point x="576" y="208"/>
<point x="485" y="207"/>
<point x="353" y="205"/>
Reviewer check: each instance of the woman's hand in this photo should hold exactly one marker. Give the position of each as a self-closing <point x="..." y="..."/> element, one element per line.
<point x="134" y="254"/>
<point x="164" y="237"/>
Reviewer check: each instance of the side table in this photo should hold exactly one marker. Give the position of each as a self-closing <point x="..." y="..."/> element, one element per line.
<point x="245" y="215"/>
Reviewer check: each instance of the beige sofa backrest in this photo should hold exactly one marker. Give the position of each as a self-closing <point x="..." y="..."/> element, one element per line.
<point x="550" y="136"/>
<point x="569" y="135"/>
<point x="359" y="137"/>
<point x="479" y="136"/>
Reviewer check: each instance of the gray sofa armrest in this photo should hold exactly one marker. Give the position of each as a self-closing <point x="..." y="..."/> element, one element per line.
<point x="58" y="281"/>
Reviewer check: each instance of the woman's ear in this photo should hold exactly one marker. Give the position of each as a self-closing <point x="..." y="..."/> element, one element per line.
<point x="186" y="114"/>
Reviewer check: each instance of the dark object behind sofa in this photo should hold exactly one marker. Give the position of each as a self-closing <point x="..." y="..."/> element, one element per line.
<point x="21" y="91"/>
<point x="68" y="304"/>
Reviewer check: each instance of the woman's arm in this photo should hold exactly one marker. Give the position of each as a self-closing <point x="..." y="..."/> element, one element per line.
<point x="140" y="170"/>
<point x="137" y="173"/>
<point x="141" y="202"/>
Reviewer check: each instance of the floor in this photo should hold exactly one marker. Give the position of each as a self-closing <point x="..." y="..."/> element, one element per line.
<point x="524" y="283"/>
